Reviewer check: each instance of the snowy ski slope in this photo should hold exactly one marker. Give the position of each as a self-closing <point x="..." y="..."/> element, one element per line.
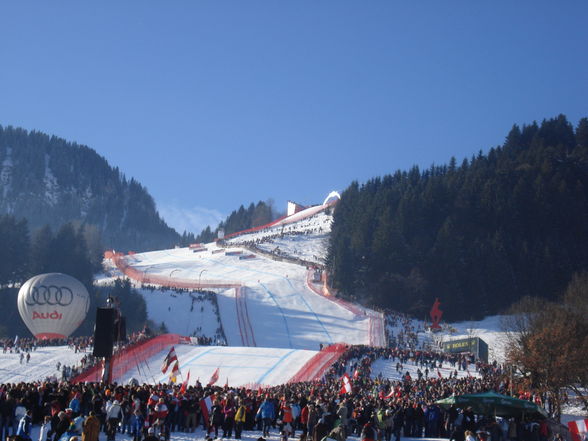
<point x="42" y="365"/>
<point x="238" y="366"/>
<point x="276" y="304"/>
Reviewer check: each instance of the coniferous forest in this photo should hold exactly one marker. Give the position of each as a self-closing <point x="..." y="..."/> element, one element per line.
<point x="49" y="181"/>
<point x="478" y="235"/>
<point x="242" y="219"/>
<point x="71" y="250"/>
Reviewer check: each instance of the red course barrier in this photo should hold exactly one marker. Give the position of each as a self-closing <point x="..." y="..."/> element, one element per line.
<point x="315" y="368"/>
<point x="130" y="358"/>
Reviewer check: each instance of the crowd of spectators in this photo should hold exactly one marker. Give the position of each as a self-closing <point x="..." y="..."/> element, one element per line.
<point x="375" y="408"/>
<point x="29" y="344"/>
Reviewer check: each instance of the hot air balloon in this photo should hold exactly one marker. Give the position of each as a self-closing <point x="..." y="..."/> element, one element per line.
<point x="53" y="305"/>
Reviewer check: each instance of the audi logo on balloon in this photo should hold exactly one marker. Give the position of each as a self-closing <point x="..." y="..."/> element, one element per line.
<point x="49" y="295"/>
<point x="52" y="316"/>
<point x="53" y="305"/>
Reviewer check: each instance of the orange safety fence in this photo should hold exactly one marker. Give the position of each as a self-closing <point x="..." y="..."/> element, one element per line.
<point x="316" y="367"/>
<point x="130" y="358"/>
<point x="143" y="277"/>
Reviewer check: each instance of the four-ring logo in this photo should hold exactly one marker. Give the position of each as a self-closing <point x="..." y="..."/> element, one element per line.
<point x="49" y="295"/>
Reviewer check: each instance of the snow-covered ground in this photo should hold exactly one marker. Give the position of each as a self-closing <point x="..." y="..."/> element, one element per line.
<point x="306" y="239"/>
<point x="275" y="304"/>
<point x="182" y="312"/>
<point x="42" y="365"/>
<point x="238" y="366"/>
<point x="489" y="329"/>
<point x="387" y="369"/>
<point x="200" y="434"/>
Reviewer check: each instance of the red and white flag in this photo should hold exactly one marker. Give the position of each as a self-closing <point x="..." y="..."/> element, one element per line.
<point x="175" y="371"/>
<point x="356" y="374"/>
<point x="169" y="359"/>
<point x="214" y="377"/>
<point x="185" y="383"/>
<point x="346" y="386"/>
<point x="205" y="406"/>
<point x="390" y="394"/>
<point x="577" y="428"/>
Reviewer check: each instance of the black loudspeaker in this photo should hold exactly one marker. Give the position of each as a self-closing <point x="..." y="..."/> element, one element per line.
<point x="104" y="332"/>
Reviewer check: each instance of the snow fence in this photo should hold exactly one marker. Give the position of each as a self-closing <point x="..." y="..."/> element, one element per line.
<point x="131" y="357"/>
<point x="316" y="367"/>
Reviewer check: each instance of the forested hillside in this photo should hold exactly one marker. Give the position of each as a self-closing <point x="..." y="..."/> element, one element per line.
<point x="241" y="219"/>
<point x="478" y="235"/>
<point x="49" y="181"/>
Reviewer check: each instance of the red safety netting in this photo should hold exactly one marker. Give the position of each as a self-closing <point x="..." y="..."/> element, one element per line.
<point x="140" y="276"/>
<point x="376" y="334"/>
<point x="254" y="229"/>
<point x="324" y="292"/>
<point x="315" y="368"/>
<point x="130" y="358"/>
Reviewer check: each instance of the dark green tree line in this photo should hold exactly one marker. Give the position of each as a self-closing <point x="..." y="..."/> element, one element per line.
<point x="478" y="235"/>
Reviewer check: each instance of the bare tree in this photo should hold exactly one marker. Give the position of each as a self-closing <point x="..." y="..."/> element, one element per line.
<point x="548" y="345"/>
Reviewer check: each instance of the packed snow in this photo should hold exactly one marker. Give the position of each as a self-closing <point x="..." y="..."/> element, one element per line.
<point x="237" y="366"/>
<point x="183" y="312"/>
<point x="42" y="365"/>
<point x="275" y="303"/>
<point x="306" y="239"/>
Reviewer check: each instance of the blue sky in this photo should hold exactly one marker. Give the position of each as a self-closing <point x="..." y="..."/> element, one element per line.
<point x="213" y="104"/>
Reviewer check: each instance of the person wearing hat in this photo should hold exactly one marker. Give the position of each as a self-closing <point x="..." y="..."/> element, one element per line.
<point x="62" y="425"/>
<point x="151" y="435"/>
<point x="114" y="414"/>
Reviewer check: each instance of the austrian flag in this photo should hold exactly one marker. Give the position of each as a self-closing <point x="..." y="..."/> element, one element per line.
<point x="578" y="428"/>
<point x="346" y="385"/>
<point x="214" y="377"/>
<point x="170" y="359"/>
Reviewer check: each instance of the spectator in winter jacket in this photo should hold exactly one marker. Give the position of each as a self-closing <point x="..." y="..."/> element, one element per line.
<point x="24" y="426"/>
<point x="137" y="425"/>
<point x="114" y="415"/>
<point x="161" y="411"/>
<point x="240" y="418"/>
<point x="75" y="404"/>
<point x="216" y="418"/>
<point x="91" y="428"/>
<point x="432" y="421"/>
<point x="368" y="432"/>
<point x="342" y="414"/>
<point x="398" y="423"/>
<point x="304" y="421"/>
<point x="321" y="429"/>
<point x="312" y="420"/>
<point x="229" y="418"/>
<point x="266" y="413"/>
<point x="45" y="429"/>
<point x="61" y="426"/>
